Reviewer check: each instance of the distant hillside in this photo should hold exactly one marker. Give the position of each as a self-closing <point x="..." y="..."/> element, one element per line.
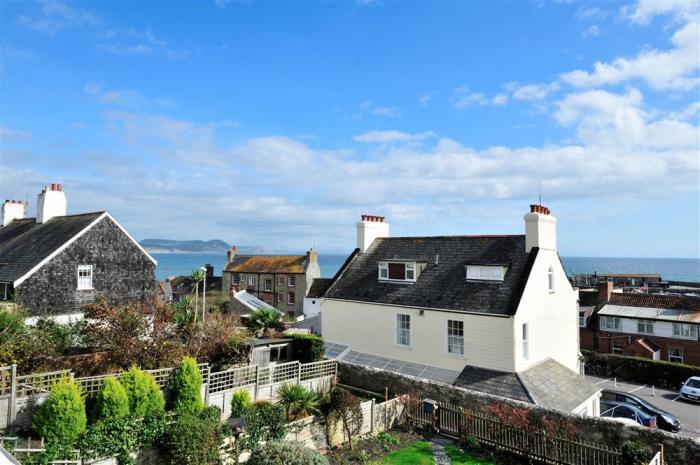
<point x="168" y="245"/>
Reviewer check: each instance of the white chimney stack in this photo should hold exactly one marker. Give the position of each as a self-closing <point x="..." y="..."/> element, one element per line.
<point x="370" y="228"/>
<point x="50" y="202"/>
<point x="12" y="210"/>
<point x="540" y="229"/>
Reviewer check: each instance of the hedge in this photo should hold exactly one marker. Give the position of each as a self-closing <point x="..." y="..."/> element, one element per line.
<point x="638" y="369"/>
<point x="308" y="348"/>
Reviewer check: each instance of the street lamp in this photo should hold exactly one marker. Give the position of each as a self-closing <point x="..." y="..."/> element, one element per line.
<point x="204" y="293"/>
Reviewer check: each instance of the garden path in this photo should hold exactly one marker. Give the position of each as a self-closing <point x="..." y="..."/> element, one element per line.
<point x="439" y="454"/>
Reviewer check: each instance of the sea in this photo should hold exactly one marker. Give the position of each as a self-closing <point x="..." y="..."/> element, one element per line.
<point x="673" y="269"/>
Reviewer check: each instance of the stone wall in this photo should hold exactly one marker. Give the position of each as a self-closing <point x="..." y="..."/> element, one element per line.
<point x="122" y="273"/>
<point x="678" y="450"/>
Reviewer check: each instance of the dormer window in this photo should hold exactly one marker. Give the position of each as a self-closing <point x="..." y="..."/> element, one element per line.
<point x="486" y="272"/>
<point x="397" y="271"/>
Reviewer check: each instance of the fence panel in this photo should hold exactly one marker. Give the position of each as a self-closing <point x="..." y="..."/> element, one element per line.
<point x="38" y="383"/>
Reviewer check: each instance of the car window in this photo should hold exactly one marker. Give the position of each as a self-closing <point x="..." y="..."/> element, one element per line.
<point x="626" y="412"/>
<point x="693" y="383"/>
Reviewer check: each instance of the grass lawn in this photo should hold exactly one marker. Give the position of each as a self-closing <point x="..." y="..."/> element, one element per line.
<point x="421" y="453"/>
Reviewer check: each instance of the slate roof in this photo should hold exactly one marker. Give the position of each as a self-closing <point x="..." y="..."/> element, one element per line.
<point x="676" y="302"/>
<point x="497" y="383"/>
<point x="292" y="264"/>
<point x="319" y="287"/>
<point x="25" y="243"/>
<point x="552" y="385"/>
<point x="441" y="286"/>
<point x="185" y="285"/>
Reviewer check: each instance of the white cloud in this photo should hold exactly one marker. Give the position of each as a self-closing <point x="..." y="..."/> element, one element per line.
<point x="383" y="137"/>
<point x="424" y="99"/>
<point x="532" y="91"/>
<point x="378" y="110"/>
<point x="644" y="10"/>
<point x="134" y="42"/>
<point x="591" y="13"/>
<point x="591" y="31"/>
<point x="120" y="97"/>
<point x="461" y="98"/>
<point x="500" y="99"/>
<point x="14" y="134"/>
<point x="55" y="16"/>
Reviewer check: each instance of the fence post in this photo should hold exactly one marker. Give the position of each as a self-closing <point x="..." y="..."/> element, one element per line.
<point x="206" y="388"/>
<point x="298" y="372"/>
<point x="12" y="407"/>
<point x="371" y="416"/>
<point x="257" y="381"/>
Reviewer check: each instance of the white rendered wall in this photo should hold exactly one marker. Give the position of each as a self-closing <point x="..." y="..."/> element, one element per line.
<point x="540" y="231"/>
<point x="552" y="317"/>
<point x="368" y="231"/>
<point x="12" y="211"/>
<point x="312" y="306"/>
<point x="370" y="328"/>
<point x="50" y="203"/>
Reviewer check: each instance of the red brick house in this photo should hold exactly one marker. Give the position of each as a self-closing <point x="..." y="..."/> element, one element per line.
<point x="659" y="327"/>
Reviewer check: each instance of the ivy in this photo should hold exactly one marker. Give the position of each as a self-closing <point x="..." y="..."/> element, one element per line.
<point x="264" y="422"/>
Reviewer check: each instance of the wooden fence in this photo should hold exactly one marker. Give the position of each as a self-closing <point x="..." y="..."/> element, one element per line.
<point x="456" y="422"/>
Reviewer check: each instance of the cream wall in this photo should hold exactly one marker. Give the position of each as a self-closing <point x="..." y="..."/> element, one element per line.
<point x="370" y="328"/>
<point x="552" y="317"/>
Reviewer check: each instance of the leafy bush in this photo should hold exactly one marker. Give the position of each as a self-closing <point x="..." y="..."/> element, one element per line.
<point x="638" y="369"/>
<point x="186" y="385"/>
<point x="265" y="320"/>
<point x="297" y="400"/>
<point x="11" y="325"/>
<point x="145" y="396"/>
<point x="61" y="418"/>
<point x="634" y="454"/>
<point x="195" y="439"/>
<point x="286" y="453"/>
<point x="111" y="401"/>
<point x="347" y="409"/>
<point x="308" y="348"/>
<point x="240" y="403"/>
<point x="264" y="422"/>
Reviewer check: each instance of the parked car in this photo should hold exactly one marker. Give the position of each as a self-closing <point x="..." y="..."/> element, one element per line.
<point x="616" y="410"/>
<point x="664" y="420"/>
<point x="691" y="389"/>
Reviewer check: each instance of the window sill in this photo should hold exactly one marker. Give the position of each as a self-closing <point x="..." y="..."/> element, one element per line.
<point x="402" y="347"/>
<point x="457" y="356"/>
<point x="396" y="281"/>
<point x="86" y="289"/>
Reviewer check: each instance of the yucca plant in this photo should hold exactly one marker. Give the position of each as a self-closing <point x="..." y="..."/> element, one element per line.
<point x="265" y="319"/>
<point x="297" y="400"/>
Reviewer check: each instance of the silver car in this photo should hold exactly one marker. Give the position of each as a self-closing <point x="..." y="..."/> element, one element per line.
<point x="691" y="389"/>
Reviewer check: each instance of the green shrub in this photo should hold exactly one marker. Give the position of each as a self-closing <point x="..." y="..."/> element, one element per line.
<point x="308" y="348"/>
<point x="240" y="403"/>
<point x="264" y="422"/>
<point x="61" y="418"/>
<point x="634" y="454"/>
<point x="111" y="401"/>
<point x="638" y="369"/>
<point x="11" y="325"/>
<point x="297" y="400"/>
<point x="286" y="453"/>
<point x="194" y="439"/>
<point x="145" y="396"/>
<point x="186" y="386"/>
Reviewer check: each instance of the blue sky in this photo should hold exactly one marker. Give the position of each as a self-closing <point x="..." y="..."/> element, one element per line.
<point x="278" y="124"/>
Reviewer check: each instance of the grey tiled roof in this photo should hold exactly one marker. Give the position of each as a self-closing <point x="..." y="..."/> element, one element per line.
<point x="441" y="286"/>
<point x="497" y="383"/>
<point x="25" y="243"/>
<point x="319" y="287"/>
<point x="552" y="385"/>
<point x="417" y="370"/>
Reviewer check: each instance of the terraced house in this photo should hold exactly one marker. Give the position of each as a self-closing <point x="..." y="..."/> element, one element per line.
<point x="490" y="313"/>
<point x="280" y="280"/>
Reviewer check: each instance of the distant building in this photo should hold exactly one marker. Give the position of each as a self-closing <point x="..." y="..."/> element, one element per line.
<point x="55" y="263"/>
<point x="185" y="285"/>
<point x="280" y="280"/>
<point x="312" y="301"/>
<point x="659" y="327"/>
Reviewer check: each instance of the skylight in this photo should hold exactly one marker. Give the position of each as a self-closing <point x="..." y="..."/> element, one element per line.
<point x="486" y="272"/>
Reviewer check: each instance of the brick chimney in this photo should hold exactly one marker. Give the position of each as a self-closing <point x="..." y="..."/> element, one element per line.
<point x="369" y="228"/>
<point x="605" y="289"/>
<point x="311" y="256"/>
<point x="51" y="202"/>
<point x="13" y="210"/>
<point x="540" y="229"/>
<point x="231" y="253"/>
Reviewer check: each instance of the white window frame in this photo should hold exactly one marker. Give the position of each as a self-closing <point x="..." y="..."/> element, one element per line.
<point x="485" y="272"/>
<point x="675" y="358"/>
<point x="643" y="326"/>
<point x="685" y="331"/>
<point x="251" y="280"/>
<point x="280" y="297"/>
<point x="290" y="298"/>
<point x="383" y="271"/>
<point x="268" y="288"/>
<point x="454" y="338"/>
<point x="409" y="272"/>
<point x="616" y="350"/>
<point x="235" y="279"/>
<point x="85" y="281"/>
<point x="582" y="320"/>
<point x="550" y="279"/>
<point x="605" y="320"/>
<point x="291" y="280"/>
<point x="280" y="280"/>
<point x="525" y="333"/>
<point x="397" y="328"/>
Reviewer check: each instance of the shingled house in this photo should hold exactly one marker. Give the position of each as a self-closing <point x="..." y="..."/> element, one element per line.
<point x="55" y="263"/>
<point x="489" y="313"/>
<point x="280" y="280"/>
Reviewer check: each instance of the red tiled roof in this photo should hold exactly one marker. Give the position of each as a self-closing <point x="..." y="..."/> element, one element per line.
<point x="267" y="264"/>
<point x="655" y="301"/>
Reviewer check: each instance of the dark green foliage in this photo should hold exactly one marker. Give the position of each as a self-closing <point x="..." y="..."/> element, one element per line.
<point x="634" y="454"/>
<point x="11" y="325"/>
<point x="308" y="348"/>
<point x="111" y="401"/>
<point x="195" y="439"/>
<point x="186" y="385"/>
<point x="240" y="403"/>
<point x="61" y="418"/>
<point x="145" y="396"/>
<point x="286" y="453"/>
<point x="641" y="370"/>
<point x="67" y="338"/>
<point x="264" y="422"/>
<point x="265" y="320"/>
<point x="297" y="400"/>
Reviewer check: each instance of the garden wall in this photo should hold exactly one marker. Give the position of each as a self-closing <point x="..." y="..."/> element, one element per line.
<point x="641" y="370"/>
<point x="677" y="450"/>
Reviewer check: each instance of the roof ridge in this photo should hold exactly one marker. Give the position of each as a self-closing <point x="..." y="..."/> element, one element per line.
<point x="456" y="236"/>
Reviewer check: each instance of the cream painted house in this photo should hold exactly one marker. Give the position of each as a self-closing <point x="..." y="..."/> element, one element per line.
<point x="491" y="313"/>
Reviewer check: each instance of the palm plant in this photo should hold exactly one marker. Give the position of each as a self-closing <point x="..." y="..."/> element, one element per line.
<point x="185" y="315"/>
<point x="265" y="319"/>
<point x="297" y="400"/>
<point x="197" y="276"/>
